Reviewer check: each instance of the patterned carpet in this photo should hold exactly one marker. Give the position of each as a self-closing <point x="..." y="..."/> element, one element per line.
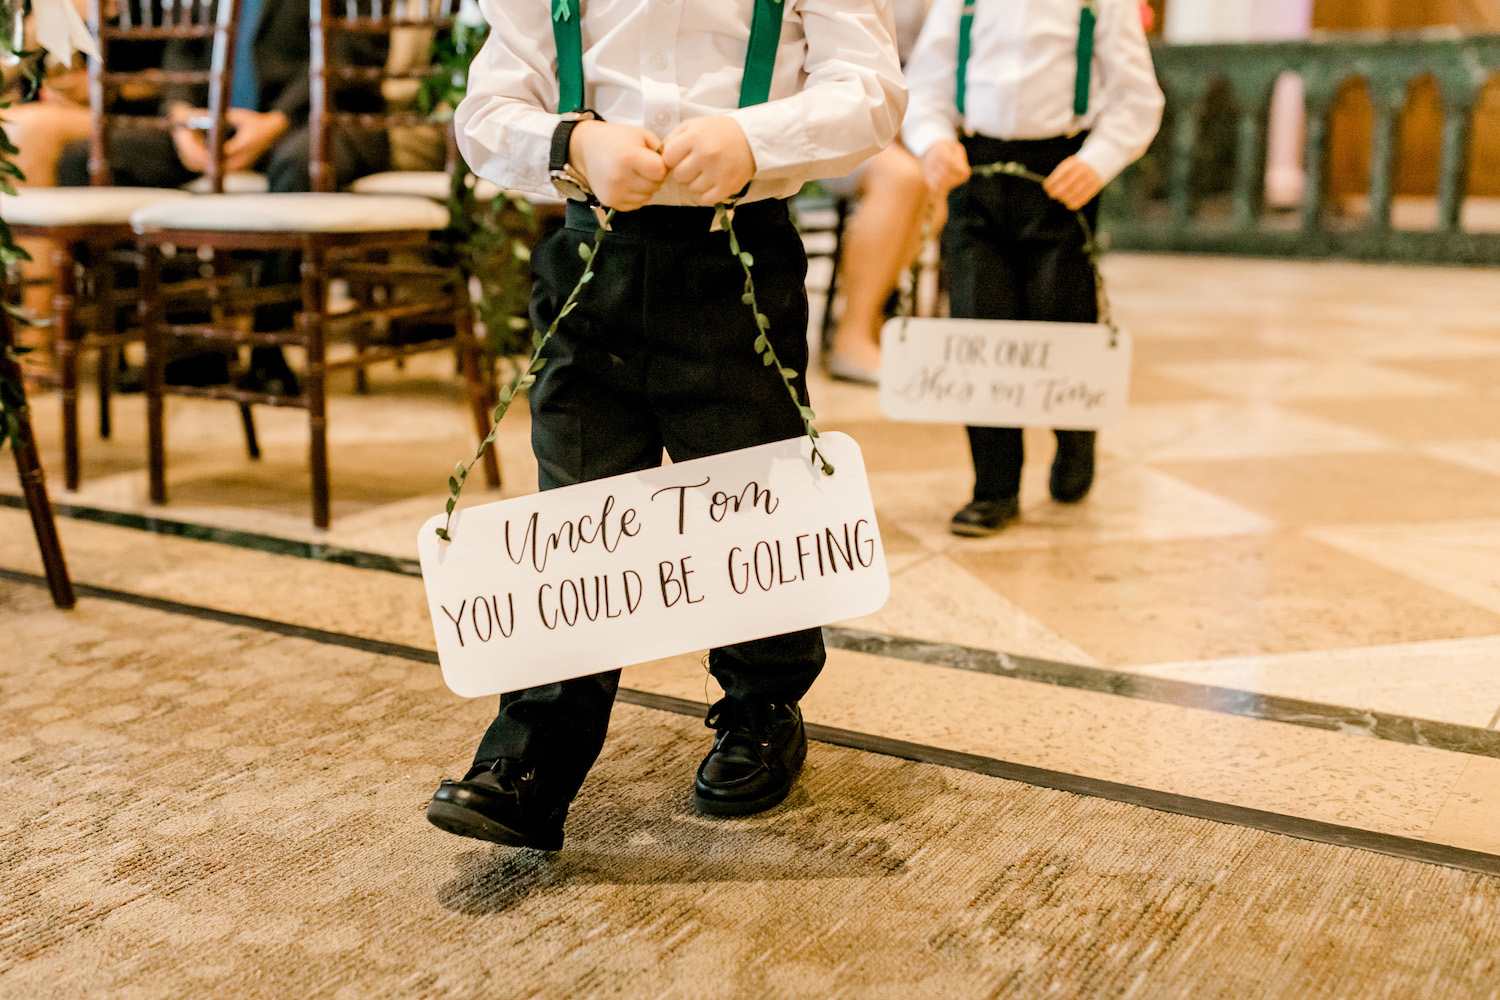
<point x="193" y="810"/>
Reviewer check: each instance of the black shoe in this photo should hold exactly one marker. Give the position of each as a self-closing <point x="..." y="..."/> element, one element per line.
<point x="980" y="518"/>
<point x="756" y="758"/>
<point x="269" y="373"/>
<point x="1073" y="466"/>
<point x="498" y="803"/>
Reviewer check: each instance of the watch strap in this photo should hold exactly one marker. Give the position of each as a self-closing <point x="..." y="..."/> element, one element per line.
<point x="561" y="138"/>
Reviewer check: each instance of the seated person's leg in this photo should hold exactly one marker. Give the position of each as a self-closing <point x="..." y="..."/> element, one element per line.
<point x="137" y="158"/>
<point x="883" y="237"/>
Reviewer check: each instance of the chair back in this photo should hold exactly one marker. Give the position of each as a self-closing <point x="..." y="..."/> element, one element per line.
<point x="349" y="89"/>
<point x="113" y="81"/>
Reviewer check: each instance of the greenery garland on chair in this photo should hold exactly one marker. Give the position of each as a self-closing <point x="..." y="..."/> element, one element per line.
<point x="12" y="393"/>
<point x="491" y="238"/>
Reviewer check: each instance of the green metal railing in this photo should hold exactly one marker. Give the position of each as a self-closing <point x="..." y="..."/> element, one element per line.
<point x="1160" y="204"/>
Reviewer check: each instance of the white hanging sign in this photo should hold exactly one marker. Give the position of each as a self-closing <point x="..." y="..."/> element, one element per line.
<point x="1003" y="373"/>
<point x="604" y="574"/>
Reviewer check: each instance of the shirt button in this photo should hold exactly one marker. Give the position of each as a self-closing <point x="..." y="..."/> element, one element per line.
<point x="662" y="118"/>
<point x="658" y="61"/>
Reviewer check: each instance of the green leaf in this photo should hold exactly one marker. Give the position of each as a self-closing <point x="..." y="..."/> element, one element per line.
<point x="788" y="373"/>
<point x="443" y="534"/>
<point x="768" y="359"/>
<point x="763" y="321"/>
<point x="746" y="259"/>
<point x="748" y="298"/>
<point x="761" y="343"/>
<point x="453" y="486"/>
<point x="459" y="469"/>
<point x="807" y="413"/>
<point x="587" y="277"/>
<point x="584" y="251"/>
<point x="506" y="393"/>
<point x="537" y="365"/>
<point x="527" y="381"/>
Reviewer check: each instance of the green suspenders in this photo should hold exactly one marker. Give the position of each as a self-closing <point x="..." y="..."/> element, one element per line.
<point x="965" y="28"/>
<point x="1086" y="20"/>
<point x="1085" y="55"/>
<point x="760" y="57"/>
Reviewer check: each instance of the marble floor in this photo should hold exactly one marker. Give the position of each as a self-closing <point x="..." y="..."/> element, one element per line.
<point x="1281" y="601"/>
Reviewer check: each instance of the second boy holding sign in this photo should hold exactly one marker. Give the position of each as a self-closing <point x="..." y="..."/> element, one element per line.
<point x="1065" y="88"/>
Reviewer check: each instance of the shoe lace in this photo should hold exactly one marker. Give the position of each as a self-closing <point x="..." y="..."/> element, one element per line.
<point x="752" y="720"/>
<point x="510" y="775"/>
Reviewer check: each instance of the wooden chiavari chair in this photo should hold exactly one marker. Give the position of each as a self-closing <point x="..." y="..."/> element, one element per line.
<point x="89" y="227"/>
<point x="340" y="236"/>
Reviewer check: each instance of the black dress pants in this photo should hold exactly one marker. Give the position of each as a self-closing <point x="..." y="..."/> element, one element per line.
<point x="1012" y="252"/>
<point x="657" y="355"/>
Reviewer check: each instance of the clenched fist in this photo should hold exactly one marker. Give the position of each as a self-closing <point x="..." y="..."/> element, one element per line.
<point x="621" y="163"/>
<point x="1074" y="183"/>
<point x="946" y="166"/>
<point x="710" y="156"/>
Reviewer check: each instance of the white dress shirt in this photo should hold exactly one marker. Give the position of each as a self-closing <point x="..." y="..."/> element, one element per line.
<point x="1023" y="62"/>
<point x="837" y="93"/>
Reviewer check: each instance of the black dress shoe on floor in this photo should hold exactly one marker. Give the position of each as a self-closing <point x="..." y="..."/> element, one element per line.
<point x="757" y="755"/>
<point x="1073" y="466"/>
<point x="269" y="373"/>
<point x="980" y="518"/>
<point x="496" y="802"/>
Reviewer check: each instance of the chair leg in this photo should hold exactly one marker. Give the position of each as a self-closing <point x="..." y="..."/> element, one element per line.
<point x="252" y="443"/>
<point x="109" y="355"/>
<point x="64" y="298"/>
<point x="481" y="396"/>
<point x="315" y="389"/>
<point x="155" y="374"/>
<point x="34" y="486"/>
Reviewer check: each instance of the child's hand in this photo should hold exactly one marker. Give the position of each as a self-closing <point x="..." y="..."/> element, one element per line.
<point x="946" y="166"/>
<point x="711" y="156"/>
<point x="1074" y="183"/>
<point x="621" y="163"/>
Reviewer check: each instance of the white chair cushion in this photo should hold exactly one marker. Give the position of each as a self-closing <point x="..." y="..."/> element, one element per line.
<point x="244" y="182"/>
<point x="432" y="184"/>
<point x="293" y="213"/>
<point x="81" y="206"/>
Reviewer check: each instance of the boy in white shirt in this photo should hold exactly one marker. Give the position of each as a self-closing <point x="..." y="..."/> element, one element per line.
<point x="1066" y="88"/>
<point x="661" y="110"/>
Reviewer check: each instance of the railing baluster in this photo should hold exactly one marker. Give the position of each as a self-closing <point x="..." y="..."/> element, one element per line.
<point x="1453" y="161"/>
<point x="1250" y="164"/>
<point x="1184" y="138"/>
<point x="1314" y="160"/>
<point x="1386" y="101"/>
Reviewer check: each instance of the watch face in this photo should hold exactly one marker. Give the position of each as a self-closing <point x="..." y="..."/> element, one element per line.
<point x="568" y="186"/>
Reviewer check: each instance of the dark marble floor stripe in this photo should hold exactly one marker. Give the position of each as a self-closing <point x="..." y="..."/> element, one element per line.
<point x="1484" y="742"/>
<point x="274" y="544"/>
<point x="1182" y="805"/>
<point x="1184" y="694"/>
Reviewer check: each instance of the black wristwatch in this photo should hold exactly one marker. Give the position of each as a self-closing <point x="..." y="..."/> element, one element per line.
<point x="568" y="181"/>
